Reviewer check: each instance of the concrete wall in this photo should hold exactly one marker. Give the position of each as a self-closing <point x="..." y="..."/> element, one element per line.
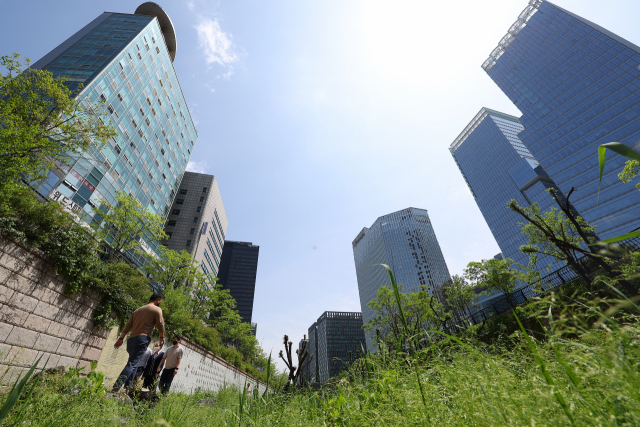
<point x="37" y="319"/>
<point x="198" y="369"/>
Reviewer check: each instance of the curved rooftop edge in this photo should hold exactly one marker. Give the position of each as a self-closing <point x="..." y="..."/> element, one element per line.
<point x="166" y="26"/>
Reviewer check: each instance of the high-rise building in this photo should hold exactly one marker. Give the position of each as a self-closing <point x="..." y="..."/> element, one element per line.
<point x="576" y="85"/>
<point x="197" y="221"/>
<point x="406" y="242"/>
<point x="335" y="340"/>
<point x="238" y="271"/>
<point x="498" y="168"/>
<point x="125" y="60"/>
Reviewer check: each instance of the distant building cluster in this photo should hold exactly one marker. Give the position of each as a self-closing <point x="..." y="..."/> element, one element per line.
<point x="126" y="62"/>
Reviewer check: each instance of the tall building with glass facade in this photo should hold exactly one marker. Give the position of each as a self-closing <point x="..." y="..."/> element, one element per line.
<point x="197" y="221"/>
<point x="498" y="168"/>
<point x="406" y="242"/>
<point x="335" y="340"/>
<point x="238" y="273"/>
<point x="577" y="86"/>
<point x="126" y="61"/>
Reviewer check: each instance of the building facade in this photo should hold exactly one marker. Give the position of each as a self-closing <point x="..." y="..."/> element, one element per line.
<point x="238" y="273"/>
<point x="498" y="168"/>
<point x="335" y="340"/>
<point x="577" y="87"/>
<point x="406" y="242"/>
<point x="125" y="61"/>
<point x="197" y="221"/>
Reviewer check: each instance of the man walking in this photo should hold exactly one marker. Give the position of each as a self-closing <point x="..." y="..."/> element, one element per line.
<point x="153" y="366"/>
<point x="172" y="358"/>
<point x="141" y="324"/>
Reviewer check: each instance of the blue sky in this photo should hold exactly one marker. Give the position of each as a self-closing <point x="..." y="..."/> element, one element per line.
<point x="318" y="117"/>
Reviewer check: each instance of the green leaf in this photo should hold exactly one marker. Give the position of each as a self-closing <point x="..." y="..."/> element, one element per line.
<point x="617" y="238"/>
<point x="616" y="147"/>
<point x="12" y="399"/>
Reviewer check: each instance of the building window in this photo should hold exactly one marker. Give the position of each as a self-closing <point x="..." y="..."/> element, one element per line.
<point x="204" y="190"/>
<point x="171" y="223"/>
<point x="188" y="242"/>
<point x="195" y="219"/>
<point x="199" y="209"/>
<point x="180" y="201"/>
<point x="175" y="212"/>
<point x="169" y="234"/>
<point x="183" y="191"/>
<point x="202" y="199"/>
<point x="193" y="230"/>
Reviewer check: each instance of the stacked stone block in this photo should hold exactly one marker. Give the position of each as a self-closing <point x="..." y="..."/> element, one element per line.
<point x="37" y="319"/>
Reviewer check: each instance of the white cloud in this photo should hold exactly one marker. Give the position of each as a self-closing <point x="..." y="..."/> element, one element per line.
<point x="216" y="44"/>
<point x="197" y="167"/>
<point x="191" y="5"/>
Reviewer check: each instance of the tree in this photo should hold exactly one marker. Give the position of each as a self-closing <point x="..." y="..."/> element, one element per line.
<point x="500" y="275"/>
<point x="41" y="121"/>
<point x="171" y="268"/>
<point x="560" y="233"/>
<point x="420" y="311"/>
<point x="294" y="371"/>
<point x="126" y="223"/>
<point x="459" y="296"/>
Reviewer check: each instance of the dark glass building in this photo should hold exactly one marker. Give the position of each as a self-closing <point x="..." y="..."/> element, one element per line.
<point x="577" y="86"/>
<point x="498" y="168"/>
<point x="238" y="270"/>
<point x="335" y="340"/>
<point x="125" y="60"/>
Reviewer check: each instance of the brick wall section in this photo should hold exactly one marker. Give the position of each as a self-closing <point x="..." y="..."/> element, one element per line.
<point x="37" y="319"/>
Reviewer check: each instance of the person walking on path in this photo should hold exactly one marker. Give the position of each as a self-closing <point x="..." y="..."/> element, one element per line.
<point x="153" y="366"/>
<point x="141" y="324"/>
<point x="172" y="357"/>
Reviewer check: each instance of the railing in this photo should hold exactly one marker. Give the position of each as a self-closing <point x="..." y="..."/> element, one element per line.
<point x="549" y="282"/>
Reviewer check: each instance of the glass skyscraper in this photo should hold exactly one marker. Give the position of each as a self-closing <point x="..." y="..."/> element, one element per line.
<point x="335" y="339"/>
<point x="406" y="242"/>
<point x="577" y="86"/>
<point x="125" y="60"/>
<point x="498" y="168"/>
<point x="238" y="272"/>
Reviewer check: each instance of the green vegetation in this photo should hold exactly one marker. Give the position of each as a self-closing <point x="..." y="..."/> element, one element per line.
<point x="41" y="122"/>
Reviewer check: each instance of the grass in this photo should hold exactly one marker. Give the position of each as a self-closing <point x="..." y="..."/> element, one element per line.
<point x="576" y="375"/>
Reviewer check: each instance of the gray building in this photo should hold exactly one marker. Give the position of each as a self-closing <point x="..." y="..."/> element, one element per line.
<point x="197" y="221"/>
<point x="406" y="242"/>
<point x="335" y="340"/>
<point x="238" y="272"/>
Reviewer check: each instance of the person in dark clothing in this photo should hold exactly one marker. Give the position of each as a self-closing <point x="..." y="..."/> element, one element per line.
<point x="173" y="357"/>
<point x="152" y="367"/>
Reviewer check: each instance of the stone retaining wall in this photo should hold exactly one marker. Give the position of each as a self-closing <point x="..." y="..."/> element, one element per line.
<point x="199" y="368"/>
<point x="37" y="319"/>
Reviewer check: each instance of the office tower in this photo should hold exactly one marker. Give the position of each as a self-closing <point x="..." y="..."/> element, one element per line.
<point x="238" y="270"/>
<point x="197" y="221"/>
<point x="576" y="86"/>
<point x="125" y="60"/>
<point x="310" y="371"/>
<point x="498" y="168"/>
<point x="406" y="242"/>
<point x="335" y="340"/>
